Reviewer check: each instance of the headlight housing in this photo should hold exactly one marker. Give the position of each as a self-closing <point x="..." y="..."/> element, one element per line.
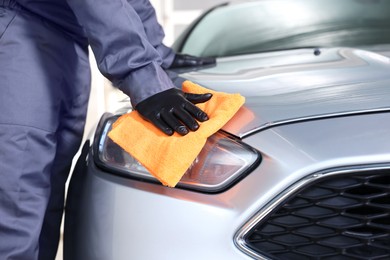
<point x="223" y="161"/>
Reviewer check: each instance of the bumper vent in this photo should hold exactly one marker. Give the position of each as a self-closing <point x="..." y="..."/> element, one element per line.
<point x="336" y="217"/>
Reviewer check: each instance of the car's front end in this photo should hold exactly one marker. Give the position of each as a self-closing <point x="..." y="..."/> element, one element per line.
<point x="301" y="172"/>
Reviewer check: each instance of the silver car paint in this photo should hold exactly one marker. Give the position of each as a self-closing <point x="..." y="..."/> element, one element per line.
<point x="129" y="219"/>
<point x="296" y="85"/>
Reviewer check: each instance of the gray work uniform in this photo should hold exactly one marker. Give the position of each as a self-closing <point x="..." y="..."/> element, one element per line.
<point x="44" y="91"/>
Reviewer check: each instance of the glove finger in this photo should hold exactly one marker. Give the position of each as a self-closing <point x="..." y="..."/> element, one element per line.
<point x="174" y="123"/>
<point x="162" y="126"/>
<point x="197" y="98"/>
<point x="186" y="118"/>
<point x="196" y="112"/>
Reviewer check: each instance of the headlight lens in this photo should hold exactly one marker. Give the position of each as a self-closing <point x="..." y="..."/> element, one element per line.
<point x="222" y="161"/>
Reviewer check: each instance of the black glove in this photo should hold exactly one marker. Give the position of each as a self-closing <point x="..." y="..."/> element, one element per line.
<point x="186" y="61"/>
<point x="173" y="110"/>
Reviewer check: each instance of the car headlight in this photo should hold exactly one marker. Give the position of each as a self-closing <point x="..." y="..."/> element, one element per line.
<point x="223" y="161"/>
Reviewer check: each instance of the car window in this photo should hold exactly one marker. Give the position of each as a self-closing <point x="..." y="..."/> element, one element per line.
<point x="265" y="25"/>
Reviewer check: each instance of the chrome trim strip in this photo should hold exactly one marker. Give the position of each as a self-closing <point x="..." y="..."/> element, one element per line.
<point x="239" y="240"/>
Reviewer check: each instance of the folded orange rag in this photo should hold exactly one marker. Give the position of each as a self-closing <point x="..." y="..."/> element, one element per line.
<point x="168" y="157"/>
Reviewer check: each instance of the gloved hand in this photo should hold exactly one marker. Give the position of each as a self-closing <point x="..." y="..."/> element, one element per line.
<point x="173" y="110"/>
<point x="185" y="61"/>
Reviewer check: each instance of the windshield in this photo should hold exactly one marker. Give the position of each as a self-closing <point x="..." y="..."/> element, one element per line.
<point x="266" y="25"/>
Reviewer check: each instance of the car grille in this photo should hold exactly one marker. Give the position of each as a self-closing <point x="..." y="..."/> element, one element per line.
<point x="337" y="217"/>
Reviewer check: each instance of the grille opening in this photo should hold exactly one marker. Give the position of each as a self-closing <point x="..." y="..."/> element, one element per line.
<point x="381" y="180"/>
<point x="319" y="250"/>
<point x="313" y="212"/>
<point x="344" y="216"/>
<point x="366" y="211"/>
<point x="292" y="256"/>
<point x="341" y="183"/>
<point x="365" y="191"/>
<point x="339" y="202"/>
<point x="383" y="242"/>
<point x="290" y="221"/>
<point x="339" y="241"/>
<point x="340" y="222"/>
<point x="383" y="221"/>
<point x="315" y="231"/>
<point x="385" y="201"/>
<point x="366" y="251"/>
<point x="339" y="257"/>
<point x="271" y="247"/>
<point x="272" y="229"/>
<point x="296" y="203"/>
<point x="291" y="240"/>
<point x="316" y="193"/>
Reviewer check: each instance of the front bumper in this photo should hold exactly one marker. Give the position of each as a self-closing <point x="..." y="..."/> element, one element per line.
<point x="111" y="217"/>
<point x="116" y="218"/>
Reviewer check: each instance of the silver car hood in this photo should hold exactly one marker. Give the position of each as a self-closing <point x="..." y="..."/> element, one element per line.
<point x="296" y="85"/>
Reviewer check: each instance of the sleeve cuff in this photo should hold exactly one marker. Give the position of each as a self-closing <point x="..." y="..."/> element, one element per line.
<point x="145" y="82"/>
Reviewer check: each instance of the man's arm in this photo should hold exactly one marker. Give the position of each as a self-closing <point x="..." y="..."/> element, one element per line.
<point x="126" y="57"/>
<point x="123" y="52"/>
<point x="153" y="29"/>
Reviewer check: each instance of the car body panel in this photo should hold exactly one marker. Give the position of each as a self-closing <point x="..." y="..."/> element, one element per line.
<point x="316" y="126"/>
<point x="297" y="85"/>
<point x="128" y="219"/>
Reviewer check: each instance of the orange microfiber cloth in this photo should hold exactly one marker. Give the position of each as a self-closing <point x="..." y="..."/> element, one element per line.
<point x="168" y="157"/>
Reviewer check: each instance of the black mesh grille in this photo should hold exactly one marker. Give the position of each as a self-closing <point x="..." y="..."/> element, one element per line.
<point x="338" y="217"/>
